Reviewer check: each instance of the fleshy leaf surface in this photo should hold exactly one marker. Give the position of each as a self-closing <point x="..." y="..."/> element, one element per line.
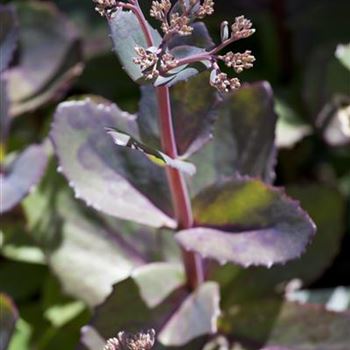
<point x="246" y="222"/>
<point x="273" y="322"/>
<point x="8" y="319"/>
<point x="155" y="297"/>
<point x="102" y="249"/>
<point x="126" y="35"/>
<point x="243" y="139"/>
<point x="50" y="57"/>
<point x="115" y="180"/>
<point x="8" y="35"/>
<point x="327" y="208"/>
<point x="21" y="176"/>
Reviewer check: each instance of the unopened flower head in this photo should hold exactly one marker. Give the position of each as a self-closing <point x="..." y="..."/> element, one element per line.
<point x="223" y="83"/>
<point x="206" y="9"/>
<point x="239" y="61"/>
<point x="105" y="7"/>
<point x="242" y="28"/>
<point x="147" y="59"/>
<point x="126" y="341"/>
<point x="160" y="9"/>
<point x="178" y="24"/>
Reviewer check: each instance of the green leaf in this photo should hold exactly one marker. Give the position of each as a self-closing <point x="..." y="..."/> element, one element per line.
<point x="157" y="157"/>
<point x="247" y="222"/>
<point x="8" y="35"/>
<point x="102" y="249"/>
<point x="272" y="322"/>
<point x="327" y="208"/>
<point x="126" y="35"/>
<point x="194" y="114"/>
<point x="8" y="319"/>
<point x="343" y="55"/>
<point x="155" y="297"/>
<point x="50" y="57"/>
<point x="105" y="176"/>
<point x="243" y="139"/>
<point x="21" y="176"/>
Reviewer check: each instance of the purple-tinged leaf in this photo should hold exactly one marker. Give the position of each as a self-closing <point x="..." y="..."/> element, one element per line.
<point x="200" y="37"/>
<point x="195" y="107"/>
<point x="5" y="120"/>
<point x="50" y="57"/>
<point x="115" y="180"/>
<point x="21" y="176"/>
<point x="99" y="255"/>
<point x="327" y="208"/>
<point x="8" y="35"/>
<point x="8" y="319"/>
<point x="247" y="222"/>
<point x="100" y="248"/>
<point x="126" y="35"/>
<point x="197" y="316"/>
<point x="273" y="322"/>
<point x="155" y="297"/>
<point x="243" y="140"/>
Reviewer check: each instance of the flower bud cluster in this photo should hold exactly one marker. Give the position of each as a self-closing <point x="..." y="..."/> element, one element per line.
<point x="105" y="7"/>
<point x="179" y="22"/>
<point x="223" y="83"/>
<point x="125" y="341"/>
<point x="238" y="61"/>
<point x="242" y="28"/>
<point x="150" y="62"/>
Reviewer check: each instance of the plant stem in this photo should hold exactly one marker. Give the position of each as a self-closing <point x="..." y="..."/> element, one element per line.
<point x="179" y="192"/>
<point x="181" y="201"/>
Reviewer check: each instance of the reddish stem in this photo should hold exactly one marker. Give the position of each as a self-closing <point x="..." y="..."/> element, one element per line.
<point x="179" y="192"/>
<point x="181" y="200"/>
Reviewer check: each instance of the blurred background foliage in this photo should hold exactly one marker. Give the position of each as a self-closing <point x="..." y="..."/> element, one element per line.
<point x="297" y="50"/>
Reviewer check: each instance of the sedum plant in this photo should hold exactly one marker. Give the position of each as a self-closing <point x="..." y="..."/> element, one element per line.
<point x="196" y="165"/>
<point x="162" y="169"/>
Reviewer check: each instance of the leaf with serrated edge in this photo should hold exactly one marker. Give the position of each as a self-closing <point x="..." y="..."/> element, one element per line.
<point x="8" y="319"/>
<point x="245" y="221"/>
<point x="197" y="316"/>
<point x="327" y="208"/>
<point x="115" y="180"/>
<point x="8" y="35"/>
<point x="21" y="176"/>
